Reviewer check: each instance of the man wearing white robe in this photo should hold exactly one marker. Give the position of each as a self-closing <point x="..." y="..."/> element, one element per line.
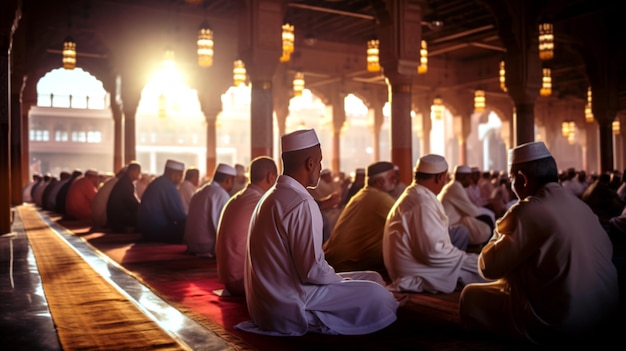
<point x="189" y="186"/>
<point x="461" y="210"/>
<point x="552" y="260"/>
<point x="205" y="210"/>
<point x="290" y="288"/>
<point x="417" y="249"/>
<point x="232" y="230"/>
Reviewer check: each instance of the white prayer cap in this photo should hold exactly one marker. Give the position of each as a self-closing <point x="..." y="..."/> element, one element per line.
<point x="462" y="169"/>
<point x="91" y="172"/>
<point x="528" y="152"/>
<point x="431" y="164"/>
<point x="299" y="140"/>
<point x="175" y="165"/>
<point x="226" y="169"/>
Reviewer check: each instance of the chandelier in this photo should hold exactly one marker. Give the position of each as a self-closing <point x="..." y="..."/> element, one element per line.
<point x="423" y="66"/>
<point x="69" y="53"/>
<point x="288" y="42"/>
<point x="373" y="63"/>
<point x="239" y="73"/>
<point x="205" y="45"/>
<point x="546" y="41"/>
<point x="588" y="110"/>
<point x="298" y="84"/>
<point x="546" y="83"/>
<point x="479" y="101"/>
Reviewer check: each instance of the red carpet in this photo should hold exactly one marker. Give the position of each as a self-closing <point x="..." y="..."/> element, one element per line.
<point x="425" y="322"/>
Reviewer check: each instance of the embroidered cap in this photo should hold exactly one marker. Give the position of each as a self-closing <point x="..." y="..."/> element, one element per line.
<point x="431" y="164"/>
<point x="379" y="167"/>
<point x="175" y="165"/>
<point x="226" y="169"/>
<point x="462" y="169"/>
<point x="528" y="152"/>
<point x="299" y="140"/>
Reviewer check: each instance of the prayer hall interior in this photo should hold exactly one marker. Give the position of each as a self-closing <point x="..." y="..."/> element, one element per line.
<point x="552" y="70"/>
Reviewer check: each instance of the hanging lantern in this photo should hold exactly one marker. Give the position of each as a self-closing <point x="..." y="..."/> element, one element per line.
<point x="546" y="41"/>
<point x="479" y="101"/>
<point x="205" y="46"/>
<point x="502" y="73"/>
<point x="69" y="53"/>
<point x="565" y="129"/>
<point x="437" y="108"/>
<point x="168" y="59"/>
<point x="288" y="42"/>
<point x="571" y="138"/>
<point x="298" y="84"/>
<point x="373" y="63"/>
<point x="615" y="126"/>
<point x="239" y="73"/>
<point x="423" y="66"/>
<point x="546" y="83"/>
<point x="588" y="110"/>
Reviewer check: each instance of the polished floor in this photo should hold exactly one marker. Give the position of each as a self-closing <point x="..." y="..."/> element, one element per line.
<point x="25" y="320"/>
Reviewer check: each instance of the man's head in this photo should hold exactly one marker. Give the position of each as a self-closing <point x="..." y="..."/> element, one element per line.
<point x="531" y="166"/>
<point x="381" y="175"/>
<point x="225" y="176"/>
<point x="92" y="175"/>
<point x="431" y="171"/>
<point x="241" y="173"/>
<point x="326" y="175"/>
<point x="463" y="175"/>
<point x="475" y="175"/>
<point x="192" y="174"/>
<point x="302" y="156"/>
<point x="263" y="172"/>
<point x="174" y="171"/>
<point x="133" y="170"/>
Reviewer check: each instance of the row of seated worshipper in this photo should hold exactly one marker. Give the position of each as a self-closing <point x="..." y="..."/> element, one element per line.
<point x="536" y="260"/>
<point x="70" y="194"/>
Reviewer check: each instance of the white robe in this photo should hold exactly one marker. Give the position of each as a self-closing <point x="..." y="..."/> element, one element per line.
<point x="417" y="250"/>
<point x="290" y="288"/>
<point x="186" y="191"/>
<point x="232" y="237"/>
<point x="461" y="211"/>
<point x="205" y="209"/>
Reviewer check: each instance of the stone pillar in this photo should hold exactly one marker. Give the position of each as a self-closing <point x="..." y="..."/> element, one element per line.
<point x="378" y="101"/>
<point x="281" y="108"/>
<point x="339" y="118"/>
<point x="260" y="47"/>
<point x="604" y="111"/>
<point x="211" y="104"/>
<point x="399" y="57"/>
<point x="131" y="94"/>
<point x="16" y="144"/>
<point x="118" y="133"/>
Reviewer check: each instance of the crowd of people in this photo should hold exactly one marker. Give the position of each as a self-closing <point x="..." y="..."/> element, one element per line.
<point x="530" y="250"/>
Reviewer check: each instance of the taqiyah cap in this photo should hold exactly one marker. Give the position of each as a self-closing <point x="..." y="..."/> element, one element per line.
<point x="379" y="167"/>
<point x="528" y="152"/>
<point x="431" y="164"/>
<point x="175" y="165"/>
<point x="360" y="171"/>
<point x="475" y="169"/>
<point x="226" y="169"/>
<point x="462" y="169"/>
<point x="91" y="172"/>
<point x="299" y="140"/>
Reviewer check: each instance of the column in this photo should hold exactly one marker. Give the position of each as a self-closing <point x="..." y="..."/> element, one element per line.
<point x="118" y="133"/>
<point x="424" y="104"/>
<point x="260" y="47"/>
<point x="604" y="111"/>
<point x="131" y="94"/>
<point x="339" y="118"/>
<point x="377" y="101"/>
<point x="5" y="126"/>
<point x="16" y="144"/>
<point x="399" y="57"/>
